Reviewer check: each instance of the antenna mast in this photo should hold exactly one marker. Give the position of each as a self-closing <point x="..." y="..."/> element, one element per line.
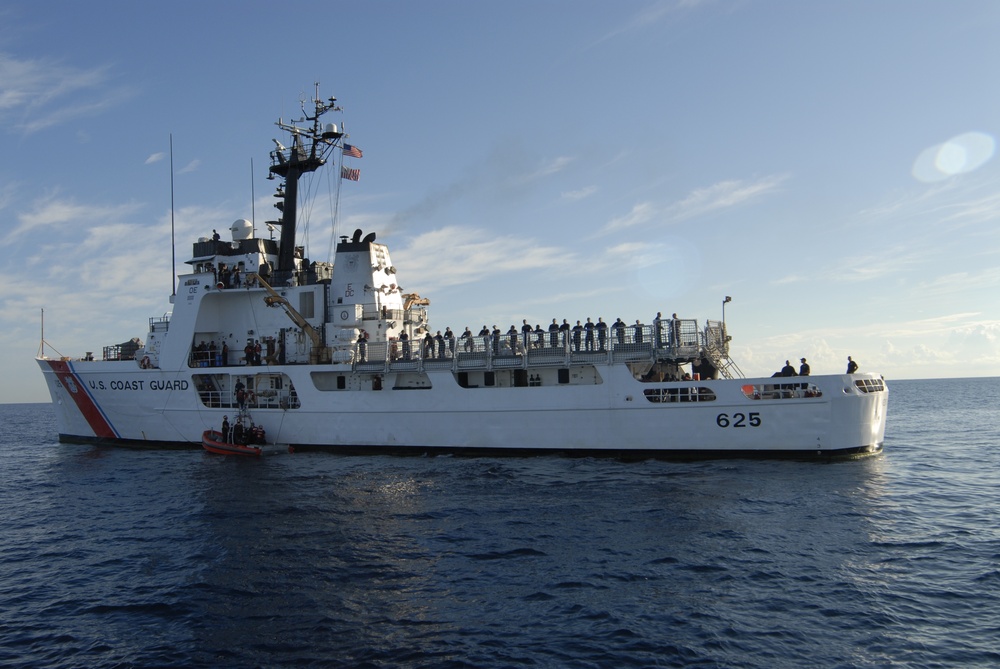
<point x="173" y="245"/>
<point x="310" y="145"/>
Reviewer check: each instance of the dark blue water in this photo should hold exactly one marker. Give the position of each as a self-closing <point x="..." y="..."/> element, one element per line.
<point x="121" y="558"/>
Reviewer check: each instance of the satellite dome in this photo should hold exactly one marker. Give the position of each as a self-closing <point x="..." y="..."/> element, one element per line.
<point x="241" y="229"/>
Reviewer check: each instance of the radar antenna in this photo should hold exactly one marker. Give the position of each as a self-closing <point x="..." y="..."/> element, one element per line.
<point x="312" y="143"/>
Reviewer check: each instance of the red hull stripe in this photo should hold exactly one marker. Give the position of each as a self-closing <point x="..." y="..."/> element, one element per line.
<point x="99" y="423"/>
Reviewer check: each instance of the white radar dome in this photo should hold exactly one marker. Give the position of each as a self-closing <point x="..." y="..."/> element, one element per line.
<point x="241" y="229"/>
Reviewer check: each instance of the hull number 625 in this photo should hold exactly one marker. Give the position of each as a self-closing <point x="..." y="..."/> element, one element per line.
<point x="751" y="419"/>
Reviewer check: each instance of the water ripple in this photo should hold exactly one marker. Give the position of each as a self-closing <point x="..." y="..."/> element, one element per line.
<point x="115" y="558"/>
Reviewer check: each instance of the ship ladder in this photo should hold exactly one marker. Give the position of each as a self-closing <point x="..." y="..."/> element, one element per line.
<point x="727" y="366"/>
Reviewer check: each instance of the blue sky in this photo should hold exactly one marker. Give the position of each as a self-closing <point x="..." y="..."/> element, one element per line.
<point x="831" y="166"/>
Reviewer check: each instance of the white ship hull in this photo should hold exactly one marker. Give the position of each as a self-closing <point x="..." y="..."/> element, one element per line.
<point x="116" y="402"/>
<point x="336" y="355"/>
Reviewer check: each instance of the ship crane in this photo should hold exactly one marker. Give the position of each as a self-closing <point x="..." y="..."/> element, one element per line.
<point x="318" y="352"/>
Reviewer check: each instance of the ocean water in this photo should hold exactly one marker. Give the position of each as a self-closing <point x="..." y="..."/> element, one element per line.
<point x="137" y="558"/>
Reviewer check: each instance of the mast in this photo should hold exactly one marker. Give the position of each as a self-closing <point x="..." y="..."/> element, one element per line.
<point x="173" y="243"/>
<point x="311" y="145"/>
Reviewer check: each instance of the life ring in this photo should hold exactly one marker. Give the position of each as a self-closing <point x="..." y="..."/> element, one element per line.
<point x="220" y="285"/>
<point x="145" y="363"/>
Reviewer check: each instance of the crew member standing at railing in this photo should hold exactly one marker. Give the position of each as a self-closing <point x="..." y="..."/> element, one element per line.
<point x="525" y="333"/>
<point x="362" y="347"/>
<point x="577" y="335"/>
<point x="241" y="395"/>
<point x="485" y="334"/>
<point x="449" y="337"/>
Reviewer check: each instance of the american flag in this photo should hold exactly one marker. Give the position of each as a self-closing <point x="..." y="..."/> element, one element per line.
<point x="352" y="151"/>
<point x="350" y="175"/>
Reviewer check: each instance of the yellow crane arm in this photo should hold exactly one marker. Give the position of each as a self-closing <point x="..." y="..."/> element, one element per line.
<point x="274" y="298"/>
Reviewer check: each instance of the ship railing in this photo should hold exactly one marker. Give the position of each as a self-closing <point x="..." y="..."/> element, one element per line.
<point x="159" y="323"/>
<point x="223" y="399"/>
<point x="371" y="313"/>
<point x="717" y="337"/>
<point x="125" y="351"/>
<point x="676" y="340"/>
<point x="716" y="346"/>
<point x="207" y="358"/>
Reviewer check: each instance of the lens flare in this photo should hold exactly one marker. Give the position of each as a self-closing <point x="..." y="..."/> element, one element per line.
<point x="960" y="154"/>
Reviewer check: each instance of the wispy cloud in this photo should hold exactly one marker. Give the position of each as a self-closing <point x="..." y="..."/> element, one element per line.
<point x="155" y="158"/>
<point x="958" y="202"/>
<point x="473" y="254"/>
<point x="641" y="213"/>
<point x="856" y="268"/>
<point x="53" y="212"/>
<point x="723" y="195"/>
<point x="648" y="16"/>
<point x="552" y="167"/>
<point x="959" y="282"/>
<point x="44" y="93"/>
<point x="580" y="194"/>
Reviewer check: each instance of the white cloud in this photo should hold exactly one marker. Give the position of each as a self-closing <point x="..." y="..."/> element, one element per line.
<point x="640" y="213"/>
<point x="190" y="167"/>
<point x="44" y="93"/>
<point x="53" y="212"/>
<point x="472" y="254"/>
<point x="723" y="195"/>
<point x="650" y="15"/>
<point x="552" y="167"/>
<point x="578" y="194"/>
